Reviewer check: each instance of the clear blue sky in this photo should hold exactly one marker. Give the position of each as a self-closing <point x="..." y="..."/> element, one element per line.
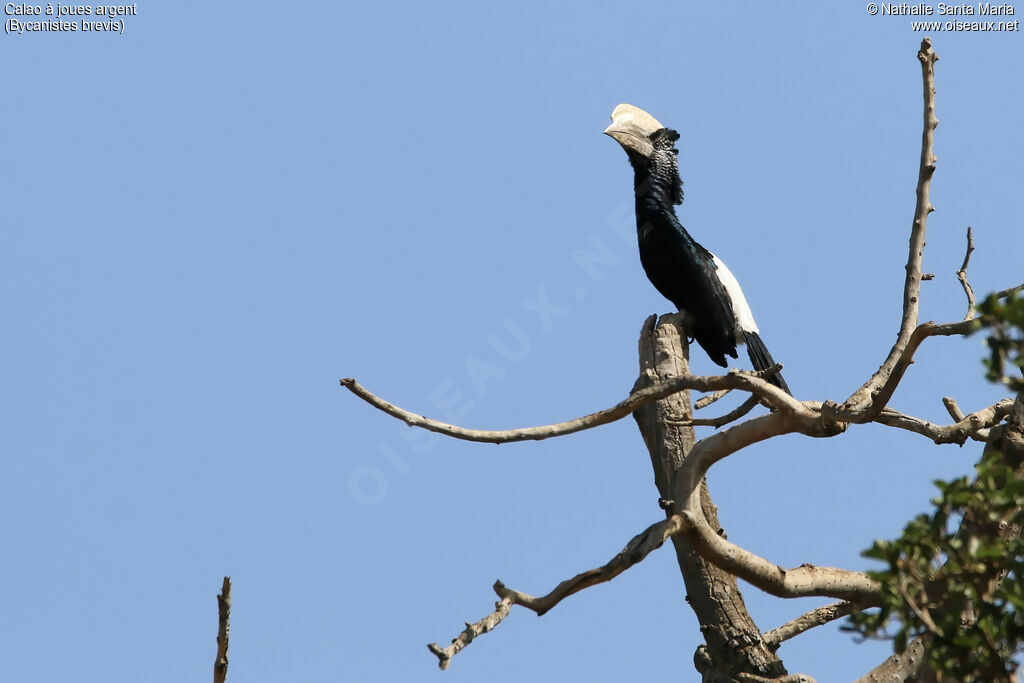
<point x="209" y="219"/>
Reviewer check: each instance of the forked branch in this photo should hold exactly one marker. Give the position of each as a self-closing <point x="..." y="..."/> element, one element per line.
<point x="971" y="426"/>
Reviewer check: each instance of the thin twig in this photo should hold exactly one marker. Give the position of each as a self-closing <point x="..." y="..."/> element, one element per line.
<point x="961" y="275"/>
<point x="865" y="397"/>
<point x="639" y="547"/>
<point x="445" y="654"/>
<point x="705" y="401"/>
<point x="220" y="665"/>
<point x="736" y="379"/>
<point x="816" y="617"/>
<point x="722" y="420"/>
<point x="1003" y="293"/>
<point x="952" y="408"/>
<point x="921" y="612"/>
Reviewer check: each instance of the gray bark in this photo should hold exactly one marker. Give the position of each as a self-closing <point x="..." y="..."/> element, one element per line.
<point x="733" y="643"/>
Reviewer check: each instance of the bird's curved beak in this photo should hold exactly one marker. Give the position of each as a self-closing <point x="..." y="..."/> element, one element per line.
<point x="631" y="127"/>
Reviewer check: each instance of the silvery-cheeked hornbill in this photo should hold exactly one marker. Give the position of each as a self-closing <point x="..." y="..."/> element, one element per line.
<point x="687" y="274"/>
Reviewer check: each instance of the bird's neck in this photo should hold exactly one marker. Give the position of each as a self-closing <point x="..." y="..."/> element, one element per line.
<point x="656" y="185"/>
<point x="658" y="190"/>
<point x="652" y="192"/>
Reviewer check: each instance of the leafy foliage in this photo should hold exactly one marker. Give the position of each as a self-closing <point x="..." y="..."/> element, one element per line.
<point x="1005" y="320"/>
<point x="956" y="576"/>
<point x="963" y="588"/>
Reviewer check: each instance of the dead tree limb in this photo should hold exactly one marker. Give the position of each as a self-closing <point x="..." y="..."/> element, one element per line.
<point x="638" y="548"/>
<point x="736" y="379"/>
<point x="910" y="665"/>
<point x="705" y="401"/>
<point x="220" y="665"/>
<point x="973" y="426"/>
<point x="733" y="643"/>
<point x="961" y="275"/>
<point x="722" y="420"/>
<point x="952" y="408"/>
<point x="863" y="405"/>
<point x="816" y="617"/>
<point x="445" y="654"/>
<point x="804" y="581"/>
<point x="1003" y="293"/>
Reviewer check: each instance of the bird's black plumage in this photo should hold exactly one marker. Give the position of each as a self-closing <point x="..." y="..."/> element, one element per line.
<point x="680" y="268"/>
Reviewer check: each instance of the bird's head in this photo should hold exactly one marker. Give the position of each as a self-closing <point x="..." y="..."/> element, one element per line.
<point x="633" y="128"/>
<point x="649" y="145"/>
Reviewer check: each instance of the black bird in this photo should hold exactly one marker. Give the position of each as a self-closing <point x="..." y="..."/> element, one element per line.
<point x="687" y="274"/>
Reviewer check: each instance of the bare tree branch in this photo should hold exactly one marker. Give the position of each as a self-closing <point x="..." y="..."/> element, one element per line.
<point x="962" y="275"/>
<point x="732" y="641"/>
<point x="803" y="581"/>
<point x="832" y="582"/>
<point x="638" y="548"/>
<point x="733" y="415"/>
<point x="865" y="397"/>
<point x="882" y="394"/>
<point x="789" y="678"/>
<point x="972" y="426"/>
<point x="922" y="612"/>
<point x="220" y="665"/>
<point x="806" y="580"/>
<point x="444" y="655"/>
<point x="816" y="617"/>
<point x="952" y="408"/>
<point x="806" y="418"/>
<point x="735" y="379"/>
<point x="705" y="401"/>
<point x="907" y="666"/>
<point x="1003" y="293"/>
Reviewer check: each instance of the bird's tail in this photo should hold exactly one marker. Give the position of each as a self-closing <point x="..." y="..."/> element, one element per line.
<point x="762" y="360"/>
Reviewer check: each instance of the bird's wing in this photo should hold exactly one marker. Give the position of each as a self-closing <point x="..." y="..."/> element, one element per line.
<point x="740" y="307"/>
